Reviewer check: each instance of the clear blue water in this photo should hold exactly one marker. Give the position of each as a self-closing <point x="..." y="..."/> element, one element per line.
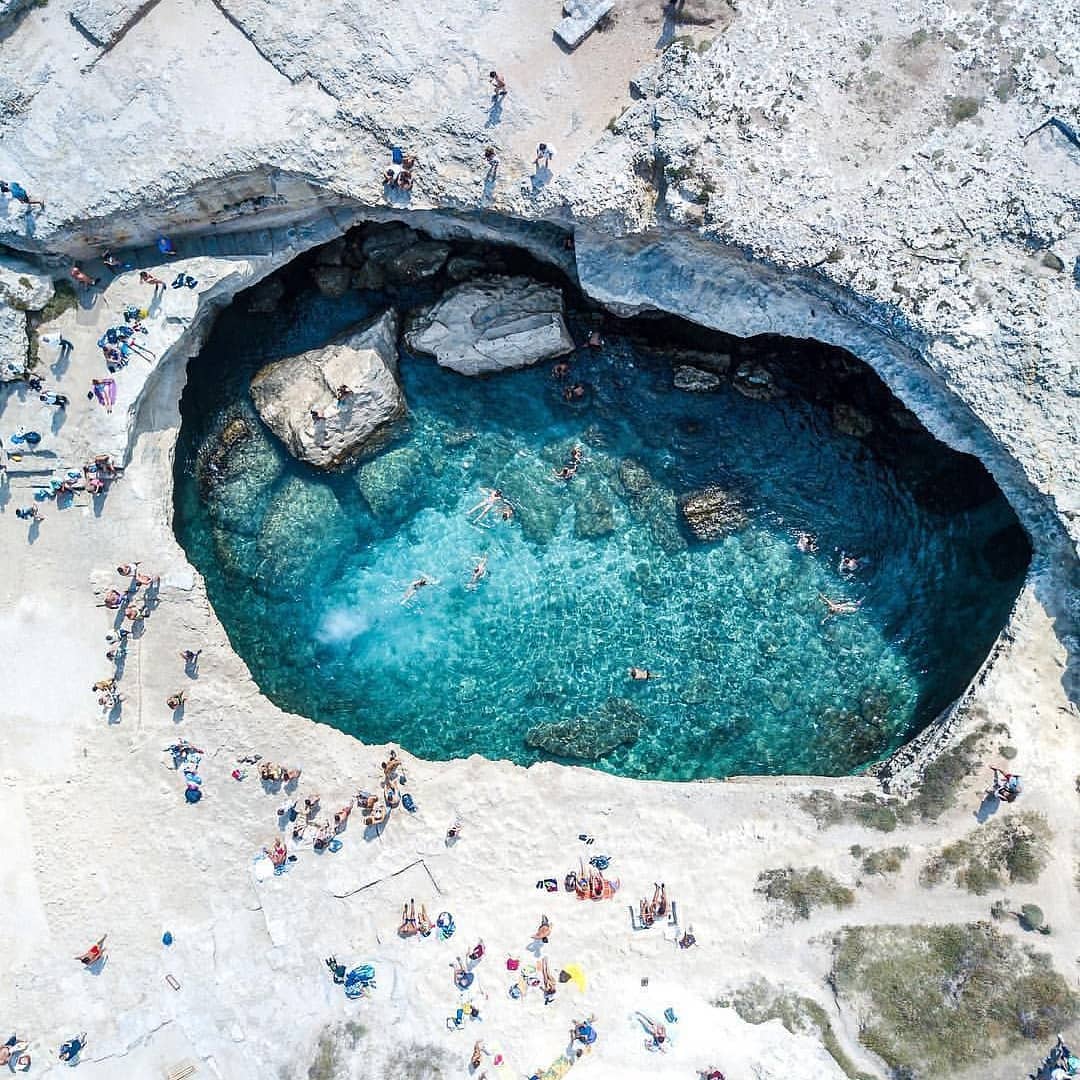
<point x="308" y="572"/>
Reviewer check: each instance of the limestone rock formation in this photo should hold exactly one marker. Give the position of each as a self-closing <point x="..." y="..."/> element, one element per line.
<point x="22" y="289"/>
<point x="332" y="281"/>
<point x="266" y="296"/>
<point x="712" y="513"/>
<point x="588" y="737"/>
<point x="694" y="380"/>
<point x="365" y="363"/>
<point x="581" y="19"/>
<point x="493" y="324"/>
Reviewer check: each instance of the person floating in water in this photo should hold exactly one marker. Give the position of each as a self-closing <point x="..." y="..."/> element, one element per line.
<point x="492" y="498"/>
<point x="839" y="607"/>
<point x="848" y="563"/>
<point x="416" y="586"/>
<point x="479" y="572"/>
<point x="569" y="470"/>
<point x="806" y="542"/>
<point x="640" y="674"/>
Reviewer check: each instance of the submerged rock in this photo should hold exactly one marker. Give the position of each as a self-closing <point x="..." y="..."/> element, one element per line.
<point x="390" y="483"/>
<point x="236" y="469"/>
<point x="594" y="516"/>
<point x="493" y="324"/>
<point x="302" y="524"/>
<point x="849" y="421"/>
<point x="615" y="723"/>
<point x="365" y="362"/>
<point x="634" y="477"/>
<point x="755" y="381"/>
<point x="694" y="380"/>
<point x="712" y="513"/>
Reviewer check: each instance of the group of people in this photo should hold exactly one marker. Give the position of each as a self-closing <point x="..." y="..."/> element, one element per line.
<point x="399" y="176"/>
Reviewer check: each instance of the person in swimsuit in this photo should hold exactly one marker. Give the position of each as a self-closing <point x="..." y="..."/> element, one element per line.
<point x="415" y="587"/>
<point x="547" y="981"/>
<point x="479" y="572"/>
<point x="492" y="497"/>
<point x="342" y="817"/>
<point x="95" y="953"/>
<point x="543" y="931"/>
<point x="640" y="674"/>
<point x="839" y="607"/>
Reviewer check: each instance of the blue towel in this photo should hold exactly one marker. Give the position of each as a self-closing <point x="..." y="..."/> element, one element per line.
<point x="397" y="155"/>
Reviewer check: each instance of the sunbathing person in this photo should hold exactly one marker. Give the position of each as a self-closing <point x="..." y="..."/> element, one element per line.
<point x="463" y="978"/>
<point x="366" y="801"/>
<point x="113" y="599"/>
<point x="547" y="981"/>
<point x="645" y="913"/>
<point x="277" y="852"/>
<point x="423" y="922"/>
<point x="659" y="900"/>
<point x="376" y="817"/>
<point x="409" y="926"/>
<point x="657" y="1033"/>
<point x="299" y="828"/>
<point x="323" y="837"/>
<point x="583" y="1032"/>
<point x="342" y="817"/>
<point x="311" y="804"/>
<point x="390" y="795"/>
<point x="390" y="765"/>
<point x="95" y="953"/>
<point x="477" y="1051"/>
<point x="543" y="931"/>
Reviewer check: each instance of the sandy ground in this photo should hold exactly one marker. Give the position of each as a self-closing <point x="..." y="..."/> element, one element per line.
<point x="100" y="839"/>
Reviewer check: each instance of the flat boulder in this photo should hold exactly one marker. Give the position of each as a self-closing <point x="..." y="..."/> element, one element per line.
<point x="712" y="513"/>
<point x="492" y="324"/>
<point x="365" y="363"/>
<point x="590" y="736"/>
<point x="755" y="381"/>
<point x="695" y="381"/>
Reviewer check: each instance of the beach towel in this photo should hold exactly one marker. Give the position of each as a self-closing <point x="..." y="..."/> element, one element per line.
<point x="105" y="392"/>
<point x="360" y="981"/>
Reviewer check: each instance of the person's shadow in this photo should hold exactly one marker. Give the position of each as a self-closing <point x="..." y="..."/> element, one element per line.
<point x="667" y="30"/>
<point x="34" y="532"/>
<point x="58" y="418"/>
<point x="987" y="808"/>
<point x="61" y="363"/>
<point x="494" y="115"/>
<point x="540" y="177"/>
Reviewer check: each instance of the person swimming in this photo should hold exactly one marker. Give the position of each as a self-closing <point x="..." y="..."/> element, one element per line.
<point x="492" y="498"/>
<point x="479" y="572"/>
<point x="839" y="607"/>
<point x="640" y="674"/>
<point x="415" y="587"/>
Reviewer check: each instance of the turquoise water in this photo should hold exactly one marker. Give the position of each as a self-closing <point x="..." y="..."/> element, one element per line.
<point x="308" y="572"/>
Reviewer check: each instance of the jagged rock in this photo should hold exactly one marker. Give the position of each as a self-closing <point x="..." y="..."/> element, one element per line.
<point x="10" y="8"/>
<point x="22" y="287"/>
<point x="417" y="262"/>
<point x="104" y="22"/>
<point x="369" y="276"/>
<point x="694" y="380"/>
<point x="390" y="483"/>
<point x="704" y="12"/>
<point x="365" y="361"/>
<point x="493" y="324"/>
<point x="582" y="17"/>
<point x="266" y="296"/>
<point x="464" y="267"/>
<point x="594" y="516"/>
<point x="303" y="521"/>
<point x="755" y="381"/>
<point x="712" y="513"/>
<point x="386" y="242"/>
<point x="849" y="421"/>
<point x="332" y="254"/>
<point x="332" y="281"/>
<point x="590" y="736"/>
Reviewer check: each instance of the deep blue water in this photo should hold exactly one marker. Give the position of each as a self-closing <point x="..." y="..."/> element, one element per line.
<point x="308" y="572"/>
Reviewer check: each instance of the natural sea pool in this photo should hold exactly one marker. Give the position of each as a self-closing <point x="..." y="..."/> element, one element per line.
<point x="307" y="571"/>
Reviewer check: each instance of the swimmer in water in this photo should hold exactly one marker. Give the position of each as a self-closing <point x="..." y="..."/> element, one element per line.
<point x="848" y="563"/>
<point x="806" y="542"/>
<point x="567" y="472"/>
<point x="574" y="393"/>
<point x="492" y="498"/>
<point x="640" y="674"/>
<point x="415" y="587"/>
<point x="479" y="572"/>
<point x="839" y="607"/>
<point x="560" y="370"/>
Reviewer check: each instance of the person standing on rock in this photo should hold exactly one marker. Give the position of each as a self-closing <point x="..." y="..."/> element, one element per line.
<point x="498" y="84"/>
<point x="542" y="161"/>
<point x="492" y="160"/>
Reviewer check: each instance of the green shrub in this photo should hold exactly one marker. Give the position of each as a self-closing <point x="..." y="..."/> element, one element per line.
<point x="932" y="996"/>
<point x="1031" y="917"/>
<point x="824" y="807"/>
<point x="1015" y="849"/>
<point x="800" y="891"/>
<point x="884" y="861"/>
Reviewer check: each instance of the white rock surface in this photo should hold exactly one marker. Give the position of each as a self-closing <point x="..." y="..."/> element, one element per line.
<point x="106" y="21"/>
<point x="365" y="361"/>
<point x="581" y="19"/>
<point x="22" y="289"/>
<point x="492" y="324"/>
<point x="695" y="380"/>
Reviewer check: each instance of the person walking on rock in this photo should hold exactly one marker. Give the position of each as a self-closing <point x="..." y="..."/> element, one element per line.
<point x="498" y="84"/>
<point x="542" y="161"/>
<point x="492" y="160"/>
<point x="17" y="191"/>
